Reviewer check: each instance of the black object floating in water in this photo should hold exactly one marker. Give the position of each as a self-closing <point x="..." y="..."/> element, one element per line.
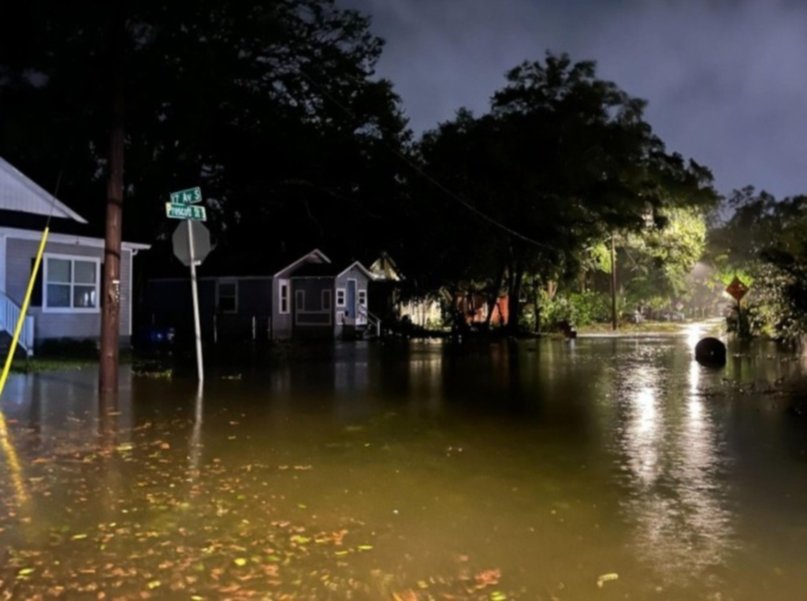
<point x="710" y="352"/>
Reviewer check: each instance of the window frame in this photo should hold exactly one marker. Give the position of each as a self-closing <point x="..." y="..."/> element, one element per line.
<point x="226" y="281"/>
<point x="283" y="296"/>
<point x="341" y="297"/>
<point x="72" y="259"/>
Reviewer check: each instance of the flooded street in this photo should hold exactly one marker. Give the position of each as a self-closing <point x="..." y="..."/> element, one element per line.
<point x="603" y="468"/>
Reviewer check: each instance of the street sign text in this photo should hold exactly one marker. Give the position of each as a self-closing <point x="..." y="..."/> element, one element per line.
<point x="181" y="211"/>
<point x="187" y="197"/>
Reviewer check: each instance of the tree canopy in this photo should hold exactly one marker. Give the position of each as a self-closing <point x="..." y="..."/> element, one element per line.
<point x="562" y="160"/>
<point x="273" y="108"/>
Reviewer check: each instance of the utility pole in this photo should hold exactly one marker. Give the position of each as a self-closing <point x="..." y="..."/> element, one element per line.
<point x="613" y="282"/>
<point x="110" y="290"/>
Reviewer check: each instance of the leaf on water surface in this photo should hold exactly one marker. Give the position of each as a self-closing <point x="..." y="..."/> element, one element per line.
<point x="365" y="547"/>
<point x="126" y="446"/>
<point x="25" y="572"/>
<point x="78" y="537"/>
<point x="240" y="561"/>
<point x="498" y="596"/>
<point x="603" y="578"/>
<point x="487" y="578"/>
<point x="154" y="584"/>
<point x="299" y="539"/>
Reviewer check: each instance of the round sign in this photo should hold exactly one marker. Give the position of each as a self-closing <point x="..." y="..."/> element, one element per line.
<point x="201" y="242"/>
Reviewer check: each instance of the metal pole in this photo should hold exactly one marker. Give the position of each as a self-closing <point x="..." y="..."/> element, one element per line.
<point x="195" y="293"/>
<point x="613" y="282"/>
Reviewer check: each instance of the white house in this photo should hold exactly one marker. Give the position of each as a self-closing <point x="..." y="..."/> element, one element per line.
<point x="67" y="297"/>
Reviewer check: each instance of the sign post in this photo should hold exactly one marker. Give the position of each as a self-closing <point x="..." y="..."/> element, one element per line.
<point x="191" y="251"/>
<point x="195" y="293"/>
<point x="737" y="290"/>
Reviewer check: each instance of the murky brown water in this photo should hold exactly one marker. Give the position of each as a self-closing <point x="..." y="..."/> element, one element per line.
<point x="601" y="469"/>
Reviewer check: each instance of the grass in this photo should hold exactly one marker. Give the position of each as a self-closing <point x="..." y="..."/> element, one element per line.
<point x="646" y="327"/>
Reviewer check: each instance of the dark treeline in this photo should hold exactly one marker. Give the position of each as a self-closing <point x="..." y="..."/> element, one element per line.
<point x="275" y="110"/>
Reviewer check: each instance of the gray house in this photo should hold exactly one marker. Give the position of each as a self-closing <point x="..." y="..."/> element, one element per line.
<point x="66" y="299"/>
<point x="329" y="300"/>
<point x="308" y="297"/>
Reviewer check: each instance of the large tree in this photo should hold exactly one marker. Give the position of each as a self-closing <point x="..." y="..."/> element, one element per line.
<point x="273" y="107"/>
<point x="562" y="160"/>
<point x="766" y="239"/>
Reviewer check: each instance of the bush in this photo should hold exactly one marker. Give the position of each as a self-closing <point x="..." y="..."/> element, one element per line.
<point x="577" y="308"/>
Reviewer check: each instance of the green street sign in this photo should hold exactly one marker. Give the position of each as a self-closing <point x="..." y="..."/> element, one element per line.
<point x="187" y="197"/>
<point x="181" y="211"/>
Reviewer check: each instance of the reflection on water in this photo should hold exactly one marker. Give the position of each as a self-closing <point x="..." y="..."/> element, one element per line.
<point x="675" y="473"/>
<point x="383" y="472"/>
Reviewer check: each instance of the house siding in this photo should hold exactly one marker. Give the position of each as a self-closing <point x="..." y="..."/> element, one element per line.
<point x="312" y="319"/>
<point x="20" y="253"/>
<point x="169" y="304"/>
<point x="341" y="327"/>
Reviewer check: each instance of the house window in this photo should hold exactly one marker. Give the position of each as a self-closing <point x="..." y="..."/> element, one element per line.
<point x="326" y="300"/>
<point x="299" y="300"/>
<point x="340" y="297"/>
<point x="363" y="298"/>
<point x="71" y="284"/>
<point x="284" y="296"/>
<point x="227" y="296"/>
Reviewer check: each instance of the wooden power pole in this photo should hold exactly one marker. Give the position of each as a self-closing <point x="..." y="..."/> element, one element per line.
<point x="110" y="290"/>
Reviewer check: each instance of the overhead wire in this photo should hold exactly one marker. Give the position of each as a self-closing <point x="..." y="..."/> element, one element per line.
<point x="428" y="177"/>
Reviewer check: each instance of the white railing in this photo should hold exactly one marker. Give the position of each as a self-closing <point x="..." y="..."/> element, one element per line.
<point x="372" y="322"/>
<point x="9" y="314"/>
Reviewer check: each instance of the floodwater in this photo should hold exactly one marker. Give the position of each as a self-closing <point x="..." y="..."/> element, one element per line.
<point x="603" y="468"/>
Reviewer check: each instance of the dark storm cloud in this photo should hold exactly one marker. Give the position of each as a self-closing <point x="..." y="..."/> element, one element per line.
<point x="726" y="80"/>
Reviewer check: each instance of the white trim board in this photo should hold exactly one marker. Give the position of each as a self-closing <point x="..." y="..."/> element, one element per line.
<point x="316" y="252"/>
<point x="20" y="234"/>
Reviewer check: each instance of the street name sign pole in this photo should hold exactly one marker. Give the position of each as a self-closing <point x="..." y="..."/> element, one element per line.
<point x="200" y="370"/>
<point x="182" y="206"/>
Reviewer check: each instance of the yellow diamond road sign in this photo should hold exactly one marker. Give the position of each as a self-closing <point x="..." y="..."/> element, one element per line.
<point x="737" y="289"/>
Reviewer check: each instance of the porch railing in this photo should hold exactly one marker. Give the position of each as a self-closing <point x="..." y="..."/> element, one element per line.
<point x="9" y="314"/>
<point x="373" y="321"/>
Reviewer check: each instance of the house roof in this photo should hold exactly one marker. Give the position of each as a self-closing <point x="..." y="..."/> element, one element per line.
<point x="20" y="194"/>
<point x="317" y="270"/>
<point x="384" y="268"/>
<point x="361" y="267"/>
<point x="227" y="262"/>
<point x="316" y="253"/>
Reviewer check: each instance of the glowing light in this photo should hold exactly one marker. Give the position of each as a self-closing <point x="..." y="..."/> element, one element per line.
<point x="12" y="461"/>
<point x="693" y="332"/>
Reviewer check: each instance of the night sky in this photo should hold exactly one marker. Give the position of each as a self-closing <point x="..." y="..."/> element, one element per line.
<point x="726" y="79"/>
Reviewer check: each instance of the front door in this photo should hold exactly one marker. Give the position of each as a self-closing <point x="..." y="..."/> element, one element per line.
<point x="350" y="305"/>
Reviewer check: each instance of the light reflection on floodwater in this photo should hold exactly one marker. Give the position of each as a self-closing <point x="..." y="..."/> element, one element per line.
<point x="676" y="473"/>
<point x="401" y="471"/>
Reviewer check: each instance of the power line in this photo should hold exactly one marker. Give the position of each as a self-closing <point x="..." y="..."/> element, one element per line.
<point x="415" y="167"/>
